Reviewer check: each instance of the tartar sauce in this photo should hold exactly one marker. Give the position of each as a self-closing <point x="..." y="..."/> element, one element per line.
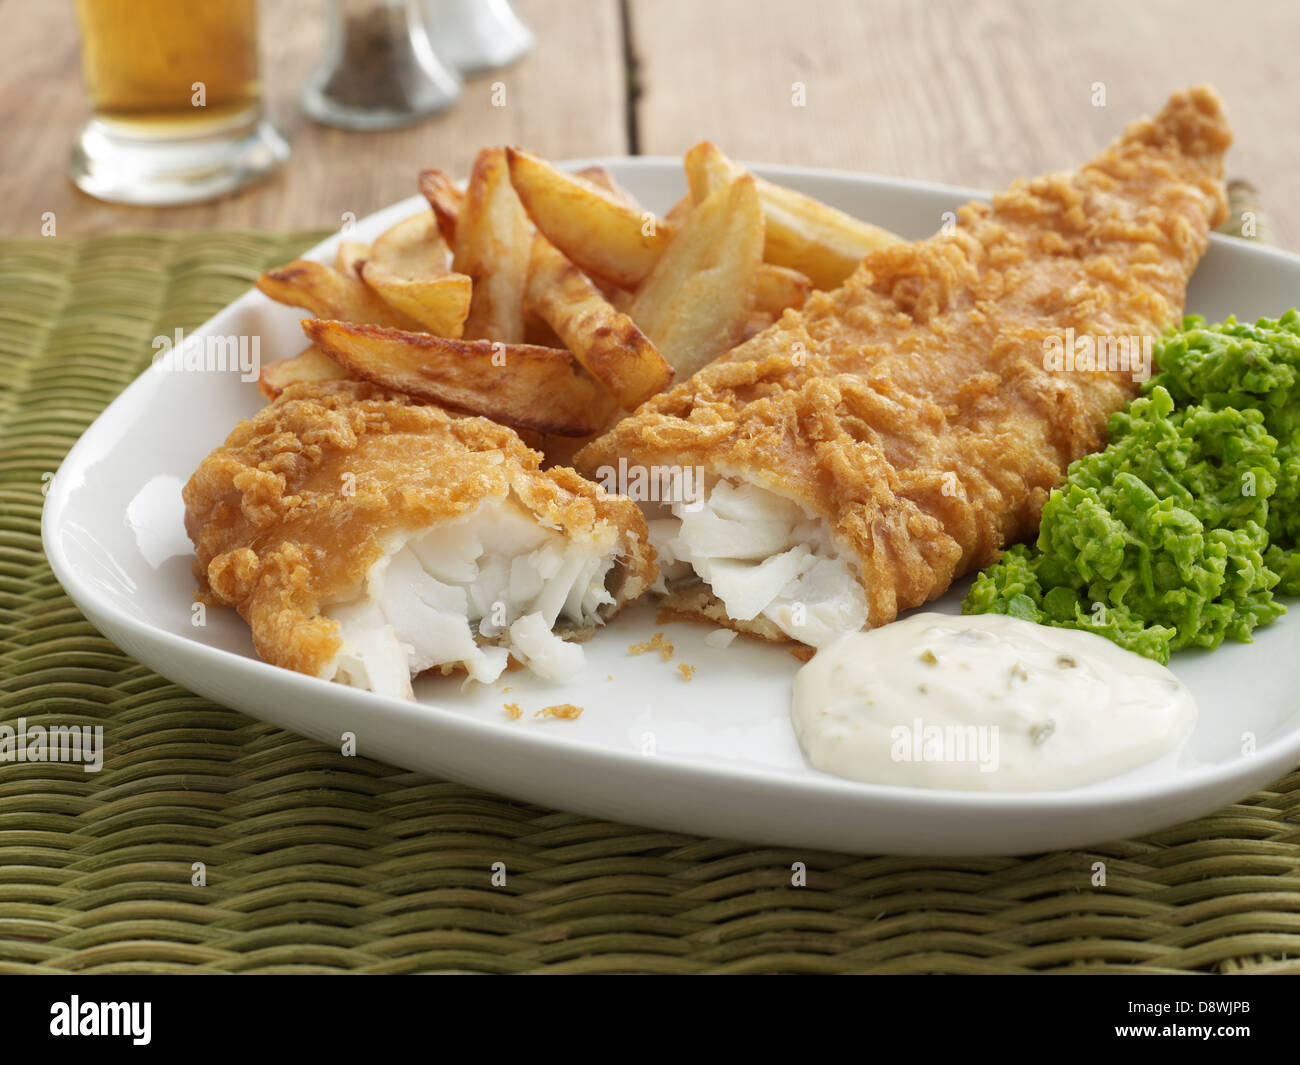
<point x="985" y="702"/>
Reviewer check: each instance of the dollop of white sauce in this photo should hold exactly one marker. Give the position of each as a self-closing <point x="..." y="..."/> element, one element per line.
<point x="985" y="703"/>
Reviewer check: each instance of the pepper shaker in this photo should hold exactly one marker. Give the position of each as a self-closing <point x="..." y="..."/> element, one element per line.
<point x="378" y="69"/>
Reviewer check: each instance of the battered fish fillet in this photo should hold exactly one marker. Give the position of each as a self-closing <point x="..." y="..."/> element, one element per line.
<point x="366" y="538"/>
<point x="896" y="433"/>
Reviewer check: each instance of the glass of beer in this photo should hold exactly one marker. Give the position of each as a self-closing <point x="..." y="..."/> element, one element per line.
<point x="177" y="101"/>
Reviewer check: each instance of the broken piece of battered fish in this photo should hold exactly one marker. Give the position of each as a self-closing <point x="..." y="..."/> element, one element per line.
<point x="897" y="432"/>
<point x="366" y="538"/>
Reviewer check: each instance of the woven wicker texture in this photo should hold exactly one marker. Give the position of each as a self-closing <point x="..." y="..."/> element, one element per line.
<point x="320" y="863"/>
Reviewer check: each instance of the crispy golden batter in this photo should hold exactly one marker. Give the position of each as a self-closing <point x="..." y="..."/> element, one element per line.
<point x="289" y="515"/>
<point x="910" y="408"/>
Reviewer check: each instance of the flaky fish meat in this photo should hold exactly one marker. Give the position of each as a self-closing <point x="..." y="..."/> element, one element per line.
<point x="367" y="538"/>
<point x="864" y="452"/>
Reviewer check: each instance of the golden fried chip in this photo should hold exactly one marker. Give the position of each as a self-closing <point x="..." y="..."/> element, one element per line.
<point x="595" y="229"/>
<point x="515" y="384"/>
<point x="802" y="233"/>
<point x="606" y="341"/>
<point x="695" y="302"/>
<point x="311" y="364"/>
<point x="493" y="245"/>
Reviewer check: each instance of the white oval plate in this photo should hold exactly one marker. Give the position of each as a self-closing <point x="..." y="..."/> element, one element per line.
<point x="715" y="755"/>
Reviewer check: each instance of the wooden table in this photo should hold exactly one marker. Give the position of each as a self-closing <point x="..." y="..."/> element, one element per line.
<point x="970" y="92"/>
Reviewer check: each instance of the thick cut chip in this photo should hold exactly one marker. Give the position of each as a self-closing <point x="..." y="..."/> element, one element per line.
<point x="778" y="289"/>
<point x="408" y="267"/>
<point x="595" y="228"/>
<point x="329" y="294"/>
<point x="493" y="245"/>
<point x="515" y="384"/>
<point x="599" y="175"/>
<point x="677" y="212"/>
<point x="445" y="199"/>
<point x="414" y="248"/>
<point x="351" y="257"/>
<point x="802" y="233"/>
<point x="439" y="304"/>
<point x="606" y="341"/>
<point x="695" y="302"/>
<point x="311" y="364"/>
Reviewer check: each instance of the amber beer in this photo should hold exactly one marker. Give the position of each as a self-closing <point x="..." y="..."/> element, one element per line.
<point x="176" y="108"/>
<point x="167" y="67"/>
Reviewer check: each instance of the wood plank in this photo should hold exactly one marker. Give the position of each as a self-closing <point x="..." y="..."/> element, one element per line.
<point x="969" y="92"/>
<point x="566" y="98"/>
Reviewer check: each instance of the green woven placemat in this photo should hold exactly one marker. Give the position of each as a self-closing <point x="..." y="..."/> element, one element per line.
<point x="320" y="863"/>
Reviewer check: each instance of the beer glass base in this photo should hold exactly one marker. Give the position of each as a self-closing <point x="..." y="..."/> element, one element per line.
<point x="119" y="166"/>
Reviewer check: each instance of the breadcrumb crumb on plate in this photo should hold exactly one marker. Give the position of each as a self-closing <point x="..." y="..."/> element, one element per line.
<point x="563" y="711"/>
<point x="655" y="643"/>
